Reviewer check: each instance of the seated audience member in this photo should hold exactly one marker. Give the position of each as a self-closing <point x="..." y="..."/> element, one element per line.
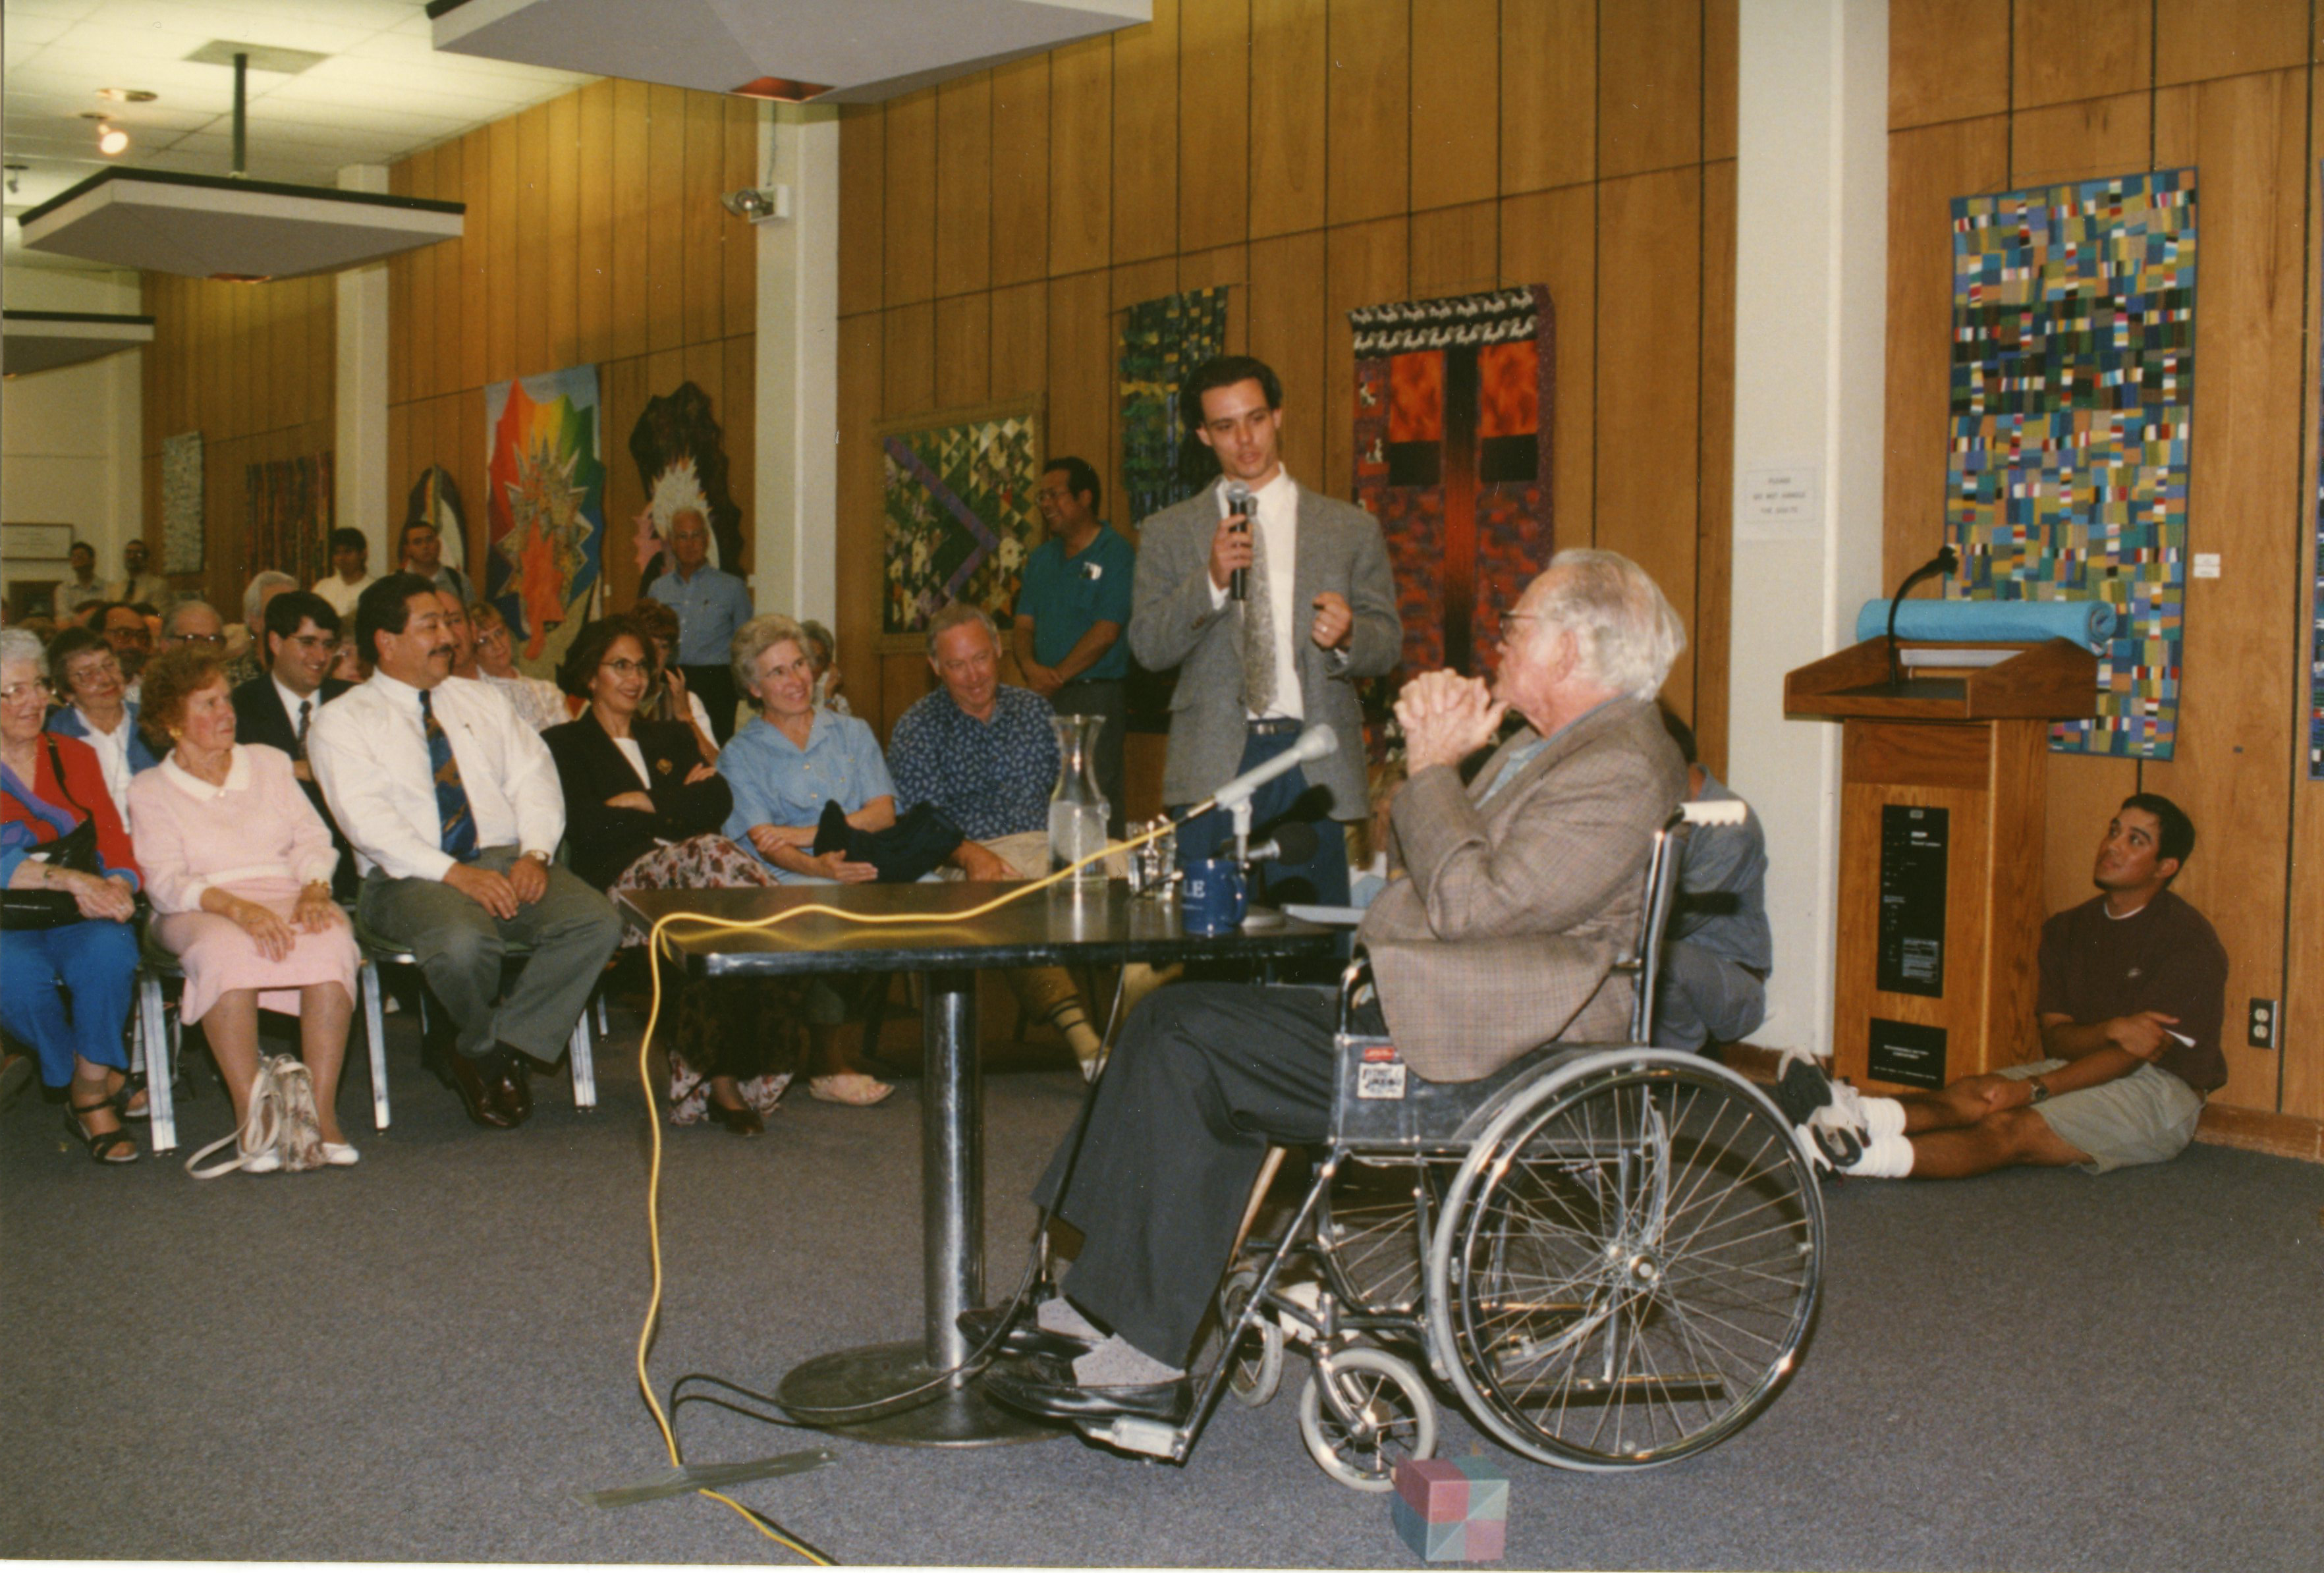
<point x="828" y="678"/>
<point x="642" y="813"/>
<point x="1717" y="951"/>
<point x="671" y="699"/>
<point x="249" y="657"/>
<point x="125" y="628"/>
<point x="84" y="588"/>
<point x="1522" y="890"/>
<point x="454" y="809"/>
<point x="191" y="622"/>
<point x="97" y="710"/>
<point x="984" y="751"/>
<point x="423" y="554"/>
<point x="239" y="866"/>
<point x="136" y="584"/>
<point x="2134" y="984"/>
<point x="539" y="705"/>
<point x="463" y="636"/>
<point x="348" y="578"/>
<point x="347" y="663"/>
<point x="278" y="707"/>
<point x="783" y="766"/>
<point x="50" y="786"/>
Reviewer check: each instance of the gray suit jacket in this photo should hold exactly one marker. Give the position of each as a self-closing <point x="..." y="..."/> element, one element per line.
<point x="1504" y="934"/>
<point x="1172" y="623"/>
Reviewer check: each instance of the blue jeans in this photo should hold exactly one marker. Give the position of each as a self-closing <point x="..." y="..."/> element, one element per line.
<point x="1322" y="879"/>
<point x="98" y="962"/>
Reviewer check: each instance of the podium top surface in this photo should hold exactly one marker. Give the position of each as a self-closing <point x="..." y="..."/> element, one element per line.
<point x="2055" y="680"/>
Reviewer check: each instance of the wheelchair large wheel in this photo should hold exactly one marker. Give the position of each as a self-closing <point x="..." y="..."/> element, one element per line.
<point x="1367" y="1231"/>
<point x="1628" y="1264"/>
<point x="1388" y="1417"/>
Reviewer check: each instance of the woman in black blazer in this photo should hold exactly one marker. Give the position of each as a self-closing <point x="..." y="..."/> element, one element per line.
<point x="643" y="813"/>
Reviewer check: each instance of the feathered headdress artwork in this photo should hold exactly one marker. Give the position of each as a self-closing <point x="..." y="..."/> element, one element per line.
<point x="677" y="490"/>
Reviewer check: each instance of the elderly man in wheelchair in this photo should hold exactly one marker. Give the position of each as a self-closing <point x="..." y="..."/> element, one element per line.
<point x="1608" y="1252"/>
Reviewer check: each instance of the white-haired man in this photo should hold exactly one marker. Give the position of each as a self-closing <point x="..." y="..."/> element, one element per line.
<point x="1520" y="892"/>
<point x="710" y="603"/>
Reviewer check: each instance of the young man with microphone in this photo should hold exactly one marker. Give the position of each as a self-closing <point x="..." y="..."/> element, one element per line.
<point x="1272" y="601"/>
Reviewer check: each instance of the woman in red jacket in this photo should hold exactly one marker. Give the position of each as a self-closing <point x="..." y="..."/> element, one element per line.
<point x="48" y="786"/>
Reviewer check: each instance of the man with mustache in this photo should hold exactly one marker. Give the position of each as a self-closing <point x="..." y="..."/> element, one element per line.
<point x="455" y="810"/>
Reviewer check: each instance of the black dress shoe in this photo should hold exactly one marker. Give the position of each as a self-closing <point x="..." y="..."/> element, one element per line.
<point x="742" y="1121"/>
<point x="1046" y="1385"/>
<point x="1025" y="1335"/>
<point x="478" y="1096"/>
<point x="512" y="1086"/>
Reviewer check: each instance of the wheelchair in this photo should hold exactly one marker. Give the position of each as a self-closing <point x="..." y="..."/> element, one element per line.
<point x="1607" y="1256"/>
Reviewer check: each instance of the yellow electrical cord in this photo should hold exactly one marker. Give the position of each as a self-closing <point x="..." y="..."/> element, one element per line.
<point x="653" y="1118"/>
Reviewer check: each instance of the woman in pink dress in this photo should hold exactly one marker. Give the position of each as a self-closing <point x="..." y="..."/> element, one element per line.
<point x="239" y="866"/>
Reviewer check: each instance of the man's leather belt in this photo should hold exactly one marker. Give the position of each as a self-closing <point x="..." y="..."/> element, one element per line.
<point x="1278" y="726"/>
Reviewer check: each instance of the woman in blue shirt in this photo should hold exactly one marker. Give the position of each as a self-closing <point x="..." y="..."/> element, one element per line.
<point x="788" y="762"/>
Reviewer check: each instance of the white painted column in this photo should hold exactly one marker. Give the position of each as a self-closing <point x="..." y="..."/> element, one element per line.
<point x="359" y="440"/>
<point x="1811" y="256"/>
<point x="796" y="477"/>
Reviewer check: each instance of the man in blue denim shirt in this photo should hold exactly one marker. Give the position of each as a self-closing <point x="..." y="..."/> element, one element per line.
<point x="710" y="605"/>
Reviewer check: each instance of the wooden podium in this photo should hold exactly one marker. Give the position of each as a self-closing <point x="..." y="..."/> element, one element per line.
<point x="1942" y="781"/>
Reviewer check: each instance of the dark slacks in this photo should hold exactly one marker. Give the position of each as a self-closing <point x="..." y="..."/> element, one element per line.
<point x="1103" y="696"/>
<point x="1322" y="879"/>
<point x="715" y="682"/>
<point x="1207" y="1075"/>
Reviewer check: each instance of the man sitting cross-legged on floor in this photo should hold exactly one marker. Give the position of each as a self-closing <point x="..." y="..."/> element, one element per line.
<point x="2133" y="987"/>
<point x="454" y="810"/>
<point x="1520" y="892"/>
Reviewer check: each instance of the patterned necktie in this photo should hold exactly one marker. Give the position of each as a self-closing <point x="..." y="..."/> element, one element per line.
<point x="304" y="706"/>
<point x="458" y="824"/>
<point x="1258" y="627"/>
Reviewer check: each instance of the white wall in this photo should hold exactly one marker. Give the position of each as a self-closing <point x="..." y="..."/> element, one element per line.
<point x="797" y="445"/>
<point x="71" y="439"/>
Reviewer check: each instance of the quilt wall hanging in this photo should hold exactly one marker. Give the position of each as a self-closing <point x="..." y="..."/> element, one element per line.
<point x="544" y="509"/>
<point x="957" y="514"/>
<point x="2073" y="397"/>
<point x="1162" y="340"/>
<point x="182" y="546"/>
<point x="288" y="507"/>
<point x="1453" y="457"/>
<point x="680" y="452"/>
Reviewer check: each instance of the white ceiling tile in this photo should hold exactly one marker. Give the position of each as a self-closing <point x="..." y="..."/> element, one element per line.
<point x="26" y="30"/>
<point x="69" y="10"/>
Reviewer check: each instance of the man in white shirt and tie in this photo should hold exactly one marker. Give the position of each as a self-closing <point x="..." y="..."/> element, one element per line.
<point x="455" y="810"/>
<point x="1316" y="614"/>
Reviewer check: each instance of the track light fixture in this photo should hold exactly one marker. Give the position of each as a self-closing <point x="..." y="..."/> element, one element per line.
<point x="759" y="204"/>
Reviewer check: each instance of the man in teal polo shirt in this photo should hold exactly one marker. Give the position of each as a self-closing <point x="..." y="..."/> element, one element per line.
<point x="1071" y="611"/>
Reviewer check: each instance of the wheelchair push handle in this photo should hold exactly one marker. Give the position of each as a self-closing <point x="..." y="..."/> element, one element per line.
<point x="1724" y="811"/>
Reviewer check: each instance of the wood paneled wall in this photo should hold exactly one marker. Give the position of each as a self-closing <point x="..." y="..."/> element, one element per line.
<point x="593" y="236"/>
<point x="1311" y="156"/>
<point x="253" y="367"/>
<point x="1996" y="95"/>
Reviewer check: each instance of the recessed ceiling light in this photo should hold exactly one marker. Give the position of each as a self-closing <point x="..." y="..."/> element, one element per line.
<point x="112" y="140"/>
<point x="127" y="95"/>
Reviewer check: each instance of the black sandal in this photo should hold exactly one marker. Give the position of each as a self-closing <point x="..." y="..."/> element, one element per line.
<point x="132" y="1086"/>
<point x="105" y="1146"/>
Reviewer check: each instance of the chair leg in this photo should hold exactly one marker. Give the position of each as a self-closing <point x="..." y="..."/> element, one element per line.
<point x="375" y="1017"/>
<point x="605" y="1015"/>
<point x="154" y="1039"/>
<point x="578" y="1051"/>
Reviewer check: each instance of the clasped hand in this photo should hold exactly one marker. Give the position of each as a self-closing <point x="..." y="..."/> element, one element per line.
<point x="776" y="840"/>
<point x="275" y="934"/>
<point x="526" y="882"/>
<point x="1446" y="718"/>
<point x="107" y="899"/>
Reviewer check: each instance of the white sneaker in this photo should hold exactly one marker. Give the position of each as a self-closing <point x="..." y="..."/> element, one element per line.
<point x="339" y="1154"/>
<point x="265" y="1163"/>
<point x="1846" y="1108"/>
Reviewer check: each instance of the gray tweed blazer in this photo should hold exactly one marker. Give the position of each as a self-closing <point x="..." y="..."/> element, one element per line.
<point x="1503" y="935"/>
<point x="1172" y="623"/>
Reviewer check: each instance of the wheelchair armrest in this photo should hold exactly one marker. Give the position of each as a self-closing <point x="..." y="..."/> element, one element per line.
<point x="1354" y="979"/>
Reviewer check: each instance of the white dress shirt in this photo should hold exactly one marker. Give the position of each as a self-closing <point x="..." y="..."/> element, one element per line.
<point x="1277" y="504"/>
<point x="341" y="594"/>
<point x="290" y="703"/>
<point x="369" y="750"/>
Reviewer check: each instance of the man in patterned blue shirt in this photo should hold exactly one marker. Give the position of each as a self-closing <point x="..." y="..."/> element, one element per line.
<point x="985" y="753"/>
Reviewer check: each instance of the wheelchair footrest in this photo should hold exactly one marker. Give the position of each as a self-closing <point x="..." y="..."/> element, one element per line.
<point x="1131" y="1435"/>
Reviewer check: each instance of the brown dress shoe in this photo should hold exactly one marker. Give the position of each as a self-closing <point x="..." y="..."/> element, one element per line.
<point x="514" y="1086"/>
<point x="478" y="1096"/>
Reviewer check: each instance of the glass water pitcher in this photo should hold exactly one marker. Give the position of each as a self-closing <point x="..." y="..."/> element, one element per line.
<point x="1077" y="809"/>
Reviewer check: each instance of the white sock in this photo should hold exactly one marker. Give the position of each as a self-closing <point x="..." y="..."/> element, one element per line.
<point x="1057" y="1315"/>
<point x="1883" y="1117"/>
<point x="1885" y="1157"/>
<point x="1118" y="1363"/>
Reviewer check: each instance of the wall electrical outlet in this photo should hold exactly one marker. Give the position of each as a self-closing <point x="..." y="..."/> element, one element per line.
<point x="2259" y="1026"/>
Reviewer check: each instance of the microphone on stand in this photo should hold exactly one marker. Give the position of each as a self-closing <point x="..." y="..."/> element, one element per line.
<point x="1294" y="842"/>
<point x="1314" y="743"/>
<point x="1947" y="561"/>
<point x="1238" y="507"/>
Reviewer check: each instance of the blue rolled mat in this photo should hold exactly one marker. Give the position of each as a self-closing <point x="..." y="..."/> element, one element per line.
<point x="2086" y="622"/>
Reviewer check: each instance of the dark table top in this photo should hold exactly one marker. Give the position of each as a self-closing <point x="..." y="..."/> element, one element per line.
<point x="1043" y="929"/>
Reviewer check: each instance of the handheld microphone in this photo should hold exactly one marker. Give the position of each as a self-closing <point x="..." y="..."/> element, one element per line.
<point x="1947" y="561"/>
<point x="1314" y="743"/>
<point x="1238" y="507"/>
<point x="1295" y="842"/>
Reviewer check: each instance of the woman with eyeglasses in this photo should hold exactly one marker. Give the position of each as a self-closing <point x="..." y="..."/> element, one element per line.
<point x="643" y="812"/>
<point x="98" y="710"/>
<point x="670" y="699"/>
<point x="539" y="704"/>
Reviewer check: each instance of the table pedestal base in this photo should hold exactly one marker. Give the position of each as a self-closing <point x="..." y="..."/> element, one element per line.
<point x="961" y="1418"/>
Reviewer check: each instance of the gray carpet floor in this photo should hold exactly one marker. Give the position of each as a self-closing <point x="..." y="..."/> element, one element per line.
<point x="426" y="1357"/>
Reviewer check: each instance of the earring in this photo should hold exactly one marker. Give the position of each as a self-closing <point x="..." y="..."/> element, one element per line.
<point x="176" y="732"/>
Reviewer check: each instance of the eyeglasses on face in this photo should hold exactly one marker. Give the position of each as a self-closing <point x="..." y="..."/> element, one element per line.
<point x="199" y="639"/>
<point x="624" y="667"/>
<point x="16" y="690"/>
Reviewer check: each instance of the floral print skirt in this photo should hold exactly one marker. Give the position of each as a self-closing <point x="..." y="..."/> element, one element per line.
<point x="749" y="1028"/>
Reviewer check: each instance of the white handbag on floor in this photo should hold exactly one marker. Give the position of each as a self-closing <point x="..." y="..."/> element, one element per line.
<point x="281" y="1125"/>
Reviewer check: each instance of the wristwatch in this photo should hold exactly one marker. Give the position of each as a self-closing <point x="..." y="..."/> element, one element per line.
<point x="2040" y="1088"/>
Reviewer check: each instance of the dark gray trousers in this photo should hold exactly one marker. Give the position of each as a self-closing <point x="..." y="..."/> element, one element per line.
<point x="1207" y="1075"/>
<point x="1705" y="998"/>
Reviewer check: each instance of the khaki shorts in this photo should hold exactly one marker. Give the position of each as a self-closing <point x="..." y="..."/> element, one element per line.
<point x="2148" y="1116"/>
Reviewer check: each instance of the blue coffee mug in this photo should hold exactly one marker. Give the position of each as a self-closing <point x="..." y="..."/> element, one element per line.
<point x="1214" y="896"/>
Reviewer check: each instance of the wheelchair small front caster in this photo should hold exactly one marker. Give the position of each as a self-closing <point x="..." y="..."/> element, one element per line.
<point x="1379" y="1414"/>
